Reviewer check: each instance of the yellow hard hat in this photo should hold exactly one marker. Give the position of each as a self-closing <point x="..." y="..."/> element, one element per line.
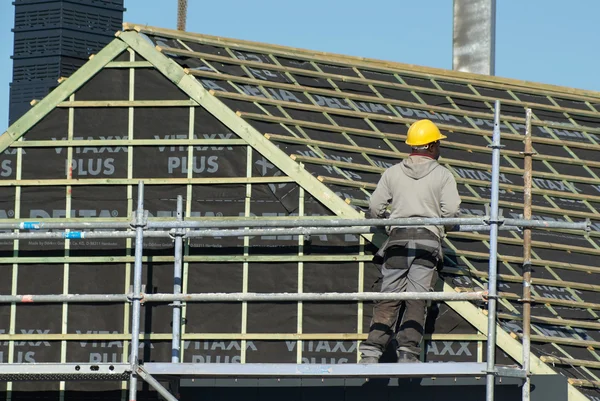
<point x="423" y="132"/>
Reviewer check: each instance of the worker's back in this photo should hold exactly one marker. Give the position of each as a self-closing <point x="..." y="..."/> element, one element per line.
<point x="417" y="187"/>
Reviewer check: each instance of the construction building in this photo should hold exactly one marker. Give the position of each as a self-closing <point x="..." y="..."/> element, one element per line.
<point x="241" y="129"/>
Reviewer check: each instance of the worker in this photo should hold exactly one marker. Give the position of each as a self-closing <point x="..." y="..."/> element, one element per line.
<point x="417" y="187"/>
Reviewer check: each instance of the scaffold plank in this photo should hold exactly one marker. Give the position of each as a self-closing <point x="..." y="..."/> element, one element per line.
<point x="450" y="369"/>
<point x="64" y="371"/>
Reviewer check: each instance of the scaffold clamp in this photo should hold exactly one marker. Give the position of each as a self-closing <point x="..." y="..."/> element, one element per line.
<point x="140" y="221"/>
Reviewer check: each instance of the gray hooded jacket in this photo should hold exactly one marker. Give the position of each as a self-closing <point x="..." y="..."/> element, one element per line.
<point x="417" y="187"/>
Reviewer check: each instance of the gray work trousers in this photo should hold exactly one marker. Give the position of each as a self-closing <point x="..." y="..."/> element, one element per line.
<point x="410" y="263"/>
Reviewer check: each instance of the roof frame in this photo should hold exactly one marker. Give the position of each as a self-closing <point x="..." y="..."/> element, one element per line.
<point x="244" y="130"/>
<point x="294" y="170"/>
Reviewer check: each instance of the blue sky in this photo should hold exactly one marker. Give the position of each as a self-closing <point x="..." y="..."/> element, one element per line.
<point x="549" y="41"/>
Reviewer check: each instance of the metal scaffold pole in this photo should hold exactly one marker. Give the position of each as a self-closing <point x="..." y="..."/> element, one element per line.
<point x="492" y="274"/>
<point x="137" y="291"/>
<point x="177" y="280"/>
<point x="527" y="200"/>
<point x="177" y="286"/>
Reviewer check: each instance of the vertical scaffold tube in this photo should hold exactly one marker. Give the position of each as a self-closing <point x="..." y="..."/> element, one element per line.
<point x="177" y="273"/>
<point x="137" y="290"/>
<point x="492" y="284"/>
<point x="527" y="200"/>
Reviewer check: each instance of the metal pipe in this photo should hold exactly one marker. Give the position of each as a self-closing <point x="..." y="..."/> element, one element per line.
<point x="62" y="298"/>
<point x="37" y="225"/>
<point x="324" y="297"/>
<point x="176" y="341"/>
<point x="314" y="231"/>
<point x="137" y="290"/>
<point x="176" y="298"/>
<point x="492" y="273"/>
<point x="75" y="235"/>
<point x="527" y="200"/>
<point x="486" y="228"/>
<point x="512" y="225"/>
<point x="470" y="228"/>
<point x="310" y="227"/>
<point x="283" y="231"/>
<point x="155" y="384"/>
<point x="541" y="224"/>
<point x="411" y="221"/>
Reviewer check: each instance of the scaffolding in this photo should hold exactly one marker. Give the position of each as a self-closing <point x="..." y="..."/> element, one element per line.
<point x="179" y="230"/>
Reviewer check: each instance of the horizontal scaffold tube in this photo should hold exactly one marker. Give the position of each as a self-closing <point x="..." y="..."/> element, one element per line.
<point x="80" y="225"/>
<point x="583" y="225"/>
<point x="244" y="297"/>
<point x="311" y="231"/>
<point x="60" y="298"/>
<point x="471" y="222"/>
<point x="290" y="227"/>
<point x="470" y="228"/>
<point x="75" y="235"/>
<point x="337" y="223"/>
<point x="318" y="297"/>
<point x="36" y="225"/>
